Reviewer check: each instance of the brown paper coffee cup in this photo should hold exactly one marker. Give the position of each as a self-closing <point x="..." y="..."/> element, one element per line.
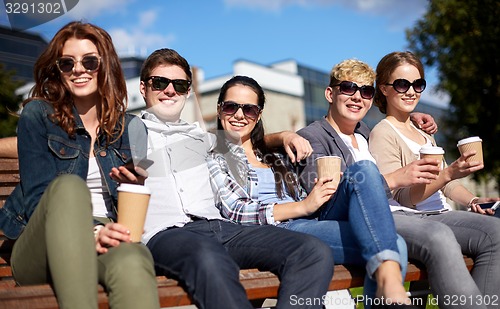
<point x="472" y="143"/>
<point x="133" y="201"/>
<point x="329" y="167"/>
<point x="432" y="152"/>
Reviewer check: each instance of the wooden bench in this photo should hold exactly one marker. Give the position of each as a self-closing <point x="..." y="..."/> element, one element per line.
<point x="258" y="285"/>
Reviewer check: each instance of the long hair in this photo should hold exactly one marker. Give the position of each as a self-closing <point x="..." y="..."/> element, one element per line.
<point x="282" y="176"/>
<point x="386" y="66"/>
<point x="111" y="81"/>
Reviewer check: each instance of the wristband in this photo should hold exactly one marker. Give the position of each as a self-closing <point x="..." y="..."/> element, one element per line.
<point x="97" y="228"/>
<point x="472" y="202"/>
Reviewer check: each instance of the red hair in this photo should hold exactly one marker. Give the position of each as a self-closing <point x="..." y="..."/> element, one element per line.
<point x="111" y="81"/>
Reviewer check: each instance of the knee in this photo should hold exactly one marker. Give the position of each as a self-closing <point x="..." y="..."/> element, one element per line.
<point x="440" y="241"/>
<point x="69" y="191"/>
<point x="67" y="182"/>
<point x="363" y="170"/>
<point x="491" y="234"/>
<point x="316" y="249"/>
<point x="68" y="186"/>
<point x="132" y="261"/>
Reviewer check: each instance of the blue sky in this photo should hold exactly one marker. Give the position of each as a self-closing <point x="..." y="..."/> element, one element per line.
<point x="212" y="34"/>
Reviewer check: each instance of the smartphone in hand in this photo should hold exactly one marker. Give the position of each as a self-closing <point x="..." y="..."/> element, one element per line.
<point x="492" y="205"/>
<point x="143" y="164"/>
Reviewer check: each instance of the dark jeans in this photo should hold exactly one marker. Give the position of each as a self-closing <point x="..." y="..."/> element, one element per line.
<point x="206" y="256"/>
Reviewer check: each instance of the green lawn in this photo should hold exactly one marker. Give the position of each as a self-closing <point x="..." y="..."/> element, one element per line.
<point x="359" y="291"/>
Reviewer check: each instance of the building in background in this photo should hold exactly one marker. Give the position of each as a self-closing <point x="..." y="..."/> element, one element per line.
<point x="131" y="66"/>
<point x="19" y="51"/>
<point x="295" y="95"/>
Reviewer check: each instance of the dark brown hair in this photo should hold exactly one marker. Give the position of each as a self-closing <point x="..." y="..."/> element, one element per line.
<point x="111" y="81"/>
<point x="164" y="56"/>
<point x="388" y="64"/>
<point x="282" y="176"/>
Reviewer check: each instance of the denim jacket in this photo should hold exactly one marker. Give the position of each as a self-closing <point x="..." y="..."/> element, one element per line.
<point x="46" y="151"/>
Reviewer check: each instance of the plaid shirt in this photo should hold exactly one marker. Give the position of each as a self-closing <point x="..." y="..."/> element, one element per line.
<point x="239" y="203"/>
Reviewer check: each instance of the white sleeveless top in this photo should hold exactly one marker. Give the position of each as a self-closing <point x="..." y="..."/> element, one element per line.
<point x="437" y="201"/>
<point x="98" y="190"/>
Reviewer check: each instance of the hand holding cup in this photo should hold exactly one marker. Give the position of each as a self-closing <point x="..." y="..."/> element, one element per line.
<point x="471" y="143"/>
<point x="328" y="167"/>
<point x="133" y="201"/>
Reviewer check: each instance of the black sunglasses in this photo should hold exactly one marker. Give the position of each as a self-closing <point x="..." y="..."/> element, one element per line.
<point x="249" y="110"/>
<point x="402" y="85"/>
<point x="350" y="88"/>
<point x="67" y="64"/>
<point x="160" y="83"/>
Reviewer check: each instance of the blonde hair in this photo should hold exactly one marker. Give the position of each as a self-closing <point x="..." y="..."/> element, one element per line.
<point x="352" y="69"/>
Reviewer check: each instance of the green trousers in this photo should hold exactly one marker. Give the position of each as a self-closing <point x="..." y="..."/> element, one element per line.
<point x="58" y="247"/>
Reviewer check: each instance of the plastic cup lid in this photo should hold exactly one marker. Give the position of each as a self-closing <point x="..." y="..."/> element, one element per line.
<point x="469" y="140"/>
<point x="328" y="157"/>
<point x="431" y="150"/>
<point x="127" y="187"/>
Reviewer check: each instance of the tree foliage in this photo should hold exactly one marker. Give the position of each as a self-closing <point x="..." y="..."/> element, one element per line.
<point x="9" y="103"/>
<point x="461" y="38"/>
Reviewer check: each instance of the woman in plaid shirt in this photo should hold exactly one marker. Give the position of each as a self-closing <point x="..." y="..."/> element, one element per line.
<point x="256" y="185"/>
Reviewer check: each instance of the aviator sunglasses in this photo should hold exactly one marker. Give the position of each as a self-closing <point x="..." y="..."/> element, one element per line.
<point x="402" y="85"/>
<point x="161" y="83"/>
<point x="90" y="63"/>
<point x="249" y="110"/>
<point x="350" y="88"/>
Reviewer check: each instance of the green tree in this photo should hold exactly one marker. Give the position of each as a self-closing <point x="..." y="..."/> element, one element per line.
<point x="461" y="38"/>
<point x="9" y="103"/>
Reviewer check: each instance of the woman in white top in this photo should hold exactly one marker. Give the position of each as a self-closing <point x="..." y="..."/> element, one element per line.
<point x="437" y="238"/>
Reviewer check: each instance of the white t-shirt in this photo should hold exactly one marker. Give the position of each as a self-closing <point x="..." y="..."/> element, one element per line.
<point x="360" y="153"/>
<point x="437" y="201"/>
<point x="98" y="190"/>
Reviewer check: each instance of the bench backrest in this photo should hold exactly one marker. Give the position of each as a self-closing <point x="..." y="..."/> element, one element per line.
<point x="9" y="178"/>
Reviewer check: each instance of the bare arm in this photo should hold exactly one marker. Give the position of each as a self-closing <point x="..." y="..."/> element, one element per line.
<point x="456" y="170"/>
<point x="321" y="193"/>
<point x="8" y="147"/>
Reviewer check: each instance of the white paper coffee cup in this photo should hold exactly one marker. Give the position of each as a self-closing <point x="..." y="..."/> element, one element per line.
<point x="433" y="152"/>
<point x="472" y="143"/>
<point x="133" y="201"/>
<point x="329" y="167"/>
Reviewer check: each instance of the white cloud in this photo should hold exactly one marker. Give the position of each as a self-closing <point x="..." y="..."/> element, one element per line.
<point x="147" y="18"/>
<point x="141" y="39"/>
<point x="138" y="41"/>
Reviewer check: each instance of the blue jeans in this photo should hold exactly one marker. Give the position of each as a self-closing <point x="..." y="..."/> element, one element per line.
<point x="440" y="241"/>
<point x="357" y="223"/>
<point x="206" y="256"/>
